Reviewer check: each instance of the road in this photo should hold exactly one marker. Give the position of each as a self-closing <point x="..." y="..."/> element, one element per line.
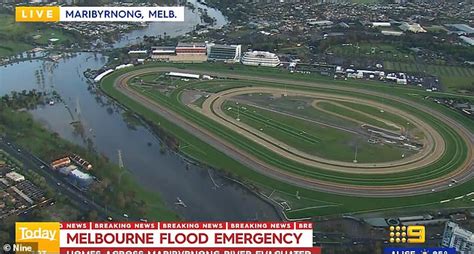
<point x="56" y="181"/>
<point x="463" y="174"/>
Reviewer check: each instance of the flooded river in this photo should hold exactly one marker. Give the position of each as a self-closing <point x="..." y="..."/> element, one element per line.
<point x="207" y="195"/>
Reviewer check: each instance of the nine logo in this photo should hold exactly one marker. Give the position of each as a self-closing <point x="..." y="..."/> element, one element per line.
<point x="45" y="234"/>
<point x="407" y="234"/>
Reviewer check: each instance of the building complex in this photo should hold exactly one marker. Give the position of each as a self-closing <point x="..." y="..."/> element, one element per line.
<point x="456" y="237"/>
<point x="225" y="53"/>
<point x="183" y="52"/>
<point x="195" y="52"/>
<point x="260" y="58"/>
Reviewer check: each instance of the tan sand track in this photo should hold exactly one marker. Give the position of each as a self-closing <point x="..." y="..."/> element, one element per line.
<point x="433" y="150"/>
<point x="462" y="174"/>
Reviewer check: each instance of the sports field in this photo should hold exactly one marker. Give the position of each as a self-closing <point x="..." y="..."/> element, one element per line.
<point x="313" y="183"/>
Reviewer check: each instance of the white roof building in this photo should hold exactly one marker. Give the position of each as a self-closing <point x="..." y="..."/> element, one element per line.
<point x="393" y="33"/>
<point x="467" y="40"/>
<point x="183" y="75"/>
<point x="462" y="27"/>
<point x="137" y="52"/>
<point x="14" y="176"/>
<point x="381" y="24"/>
<point x="260" y="58"/>
<point x="102" y="75"/>
<point x="456" y="237"/>
<point x="123" y="66"/>
<point x="315" y="22"/>
<point x="163" y="50"/>
<point x="414" y="28"/>
<point x="81" y="175"/>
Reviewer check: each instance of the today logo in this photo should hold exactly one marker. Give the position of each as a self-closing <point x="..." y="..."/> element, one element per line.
<point x="45" y="234"/>
<point x="28" y="234"/>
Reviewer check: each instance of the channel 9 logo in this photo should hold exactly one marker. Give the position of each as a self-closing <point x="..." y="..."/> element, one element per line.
<point x="407" y="234"/>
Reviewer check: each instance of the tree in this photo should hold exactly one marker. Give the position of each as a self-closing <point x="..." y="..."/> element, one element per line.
<point x="121" y="200"/>
<point x="92" y="215"/>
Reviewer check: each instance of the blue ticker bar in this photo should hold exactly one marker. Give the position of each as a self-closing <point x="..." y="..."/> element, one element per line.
<point x="408" y="250"/>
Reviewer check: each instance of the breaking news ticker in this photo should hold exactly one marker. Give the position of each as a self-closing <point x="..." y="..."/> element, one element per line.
<point x="165" y="237"/>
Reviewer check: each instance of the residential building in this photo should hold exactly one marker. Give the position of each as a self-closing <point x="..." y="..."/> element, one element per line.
<point x="81" y="162"/>
<point x="467" y="40"/>
<point x="464" y="28"/>
<point x="456" y="237"/>
<point x="381" y="24"/>
<point x="14" y="176"/>
<point x="319" y="23"/>
<point x="414" y="28"/>
<point x="63" y="161"/>
<point x="392" y="33"/>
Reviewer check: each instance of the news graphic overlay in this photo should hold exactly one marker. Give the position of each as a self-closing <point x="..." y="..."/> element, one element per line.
<point x="164" y="237"/>
<point x="407" y="234"/>
<point x="419" y="251"/>
<point x="37" y="237"/>
<point x="98" y="14"/>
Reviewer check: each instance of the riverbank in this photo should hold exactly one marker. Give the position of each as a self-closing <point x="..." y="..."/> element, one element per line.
<point x="167" y="137"/>
<point x="108" y="130"/>
<point x="127" y="196"/>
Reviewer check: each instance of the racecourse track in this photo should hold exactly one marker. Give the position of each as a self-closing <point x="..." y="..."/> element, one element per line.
<point x="434" y="145"/>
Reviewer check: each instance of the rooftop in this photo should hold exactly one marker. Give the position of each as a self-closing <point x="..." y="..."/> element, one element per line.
<point x="191" y="45"/>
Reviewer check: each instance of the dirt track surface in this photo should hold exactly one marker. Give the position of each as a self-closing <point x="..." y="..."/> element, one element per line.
<point x="433" y="150"/>
<point x="464" y="173"/>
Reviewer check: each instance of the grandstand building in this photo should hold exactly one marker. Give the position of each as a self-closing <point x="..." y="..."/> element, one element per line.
<point x="260" y="58"/>
<point x="191" y="52"/>
<point x="184" y="52"/>
<point x="193" y="48"/>
<point x="162" y="53"/>
<point x="226" y="53"/>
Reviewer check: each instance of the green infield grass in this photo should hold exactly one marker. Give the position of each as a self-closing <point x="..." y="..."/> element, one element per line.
<point x="312" y="138"/>
<point x="310" y="202"/>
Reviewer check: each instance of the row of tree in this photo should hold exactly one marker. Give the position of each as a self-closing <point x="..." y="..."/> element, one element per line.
<point x="24" y="99"/>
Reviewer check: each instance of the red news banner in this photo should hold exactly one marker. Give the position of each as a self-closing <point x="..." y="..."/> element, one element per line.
<point x="187" y="238"/>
